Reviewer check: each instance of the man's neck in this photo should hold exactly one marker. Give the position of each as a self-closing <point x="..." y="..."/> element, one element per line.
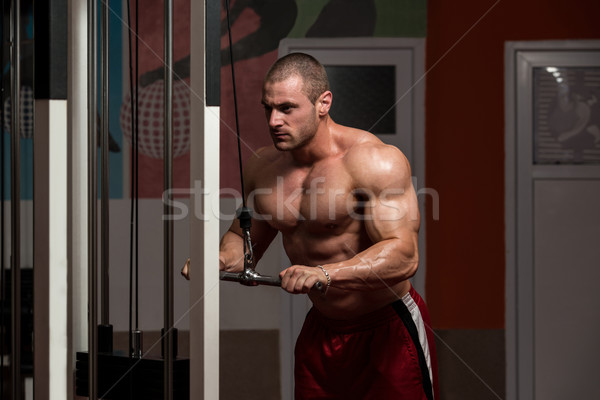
<point x="320" y="147"/>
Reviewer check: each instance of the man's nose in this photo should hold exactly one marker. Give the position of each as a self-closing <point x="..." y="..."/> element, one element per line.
<point x="275" y="118"/>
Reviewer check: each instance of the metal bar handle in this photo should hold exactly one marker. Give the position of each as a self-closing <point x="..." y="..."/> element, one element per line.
<point x="255" y="279"/>
<point x="250" y="279"/>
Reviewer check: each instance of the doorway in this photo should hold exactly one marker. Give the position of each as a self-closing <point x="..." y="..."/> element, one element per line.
<point x="552" y="218"/>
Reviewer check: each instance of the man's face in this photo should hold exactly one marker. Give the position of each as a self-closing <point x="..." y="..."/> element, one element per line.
<point x="292" y="118"/>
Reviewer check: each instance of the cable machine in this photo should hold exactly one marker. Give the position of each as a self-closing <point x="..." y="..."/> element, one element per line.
<point x="103" y="372"/>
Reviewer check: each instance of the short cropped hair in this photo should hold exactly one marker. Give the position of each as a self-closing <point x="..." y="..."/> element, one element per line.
<point x="311" y="71"/>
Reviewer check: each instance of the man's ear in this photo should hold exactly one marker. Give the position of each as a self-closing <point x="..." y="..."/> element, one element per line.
<point x="324" y="103"/>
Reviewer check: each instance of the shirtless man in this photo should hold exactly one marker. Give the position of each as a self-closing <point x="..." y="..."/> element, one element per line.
<point x="349" y="218"/>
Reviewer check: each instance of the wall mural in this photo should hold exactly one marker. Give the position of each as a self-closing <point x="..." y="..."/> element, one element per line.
<point x="257" y="28"/>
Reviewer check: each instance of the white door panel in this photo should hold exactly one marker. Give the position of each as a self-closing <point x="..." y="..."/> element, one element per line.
<point x="566" y="295"/>
<point x="552" y="219"/>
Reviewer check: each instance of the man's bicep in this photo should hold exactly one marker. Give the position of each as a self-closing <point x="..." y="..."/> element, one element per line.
<point x="391" y="208"/>
<point x="392" y="213"/>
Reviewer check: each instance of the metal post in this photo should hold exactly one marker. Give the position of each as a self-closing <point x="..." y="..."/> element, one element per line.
<point x="104" y="282"/>
<point x="204" y="233"/>
<point x="168" y="222"/>
<point x="92" y="203"/>
<point x="2" y="214"/>
<point x="15" y="75"/>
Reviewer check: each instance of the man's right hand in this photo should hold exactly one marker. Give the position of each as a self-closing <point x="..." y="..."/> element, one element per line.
<point x="185" y="271"/>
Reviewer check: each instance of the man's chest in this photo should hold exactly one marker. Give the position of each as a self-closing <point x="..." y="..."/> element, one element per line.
<point x="318" y="199"/>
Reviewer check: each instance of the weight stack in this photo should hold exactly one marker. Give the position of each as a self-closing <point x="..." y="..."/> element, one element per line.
<point x="124" y="378"/>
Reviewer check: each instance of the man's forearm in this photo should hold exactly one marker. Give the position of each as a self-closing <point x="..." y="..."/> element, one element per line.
<point x="382" y="265"/>
<point x="231" y="252"/>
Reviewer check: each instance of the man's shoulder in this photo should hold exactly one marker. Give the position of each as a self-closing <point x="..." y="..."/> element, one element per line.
<point x="262" y="158"/>
<point x="370" y="152"/>
<point x="372" y="163"/>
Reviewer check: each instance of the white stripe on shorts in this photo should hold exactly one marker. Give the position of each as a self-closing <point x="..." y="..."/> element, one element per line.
<point x="415" y="313"/>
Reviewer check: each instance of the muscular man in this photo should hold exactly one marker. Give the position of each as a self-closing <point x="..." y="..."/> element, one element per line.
<point x="348" y="214"/>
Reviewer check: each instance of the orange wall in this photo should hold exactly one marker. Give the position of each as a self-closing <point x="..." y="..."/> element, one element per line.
<point x="465" y="144"/>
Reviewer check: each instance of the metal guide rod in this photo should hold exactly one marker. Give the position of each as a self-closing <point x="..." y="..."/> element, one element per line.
<point x="15" y="75"/>
<point x="137" y="128"/>
<point x="104" y="239"/>
<point x="132" y="101"/>
<point x="92" y="203"/>
<point x="3" y="333"/>
<point x="2" y="214"/>
<point x="168" y="182"/>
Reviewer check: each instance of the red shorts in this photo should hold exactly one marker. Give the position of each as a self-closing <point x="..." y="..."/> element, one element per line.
<point x="386" y="354"/>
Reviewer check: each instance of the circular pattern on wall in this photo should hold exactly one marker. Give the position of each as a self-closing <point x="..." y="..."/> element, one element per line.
<point x="151" y="119"/>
